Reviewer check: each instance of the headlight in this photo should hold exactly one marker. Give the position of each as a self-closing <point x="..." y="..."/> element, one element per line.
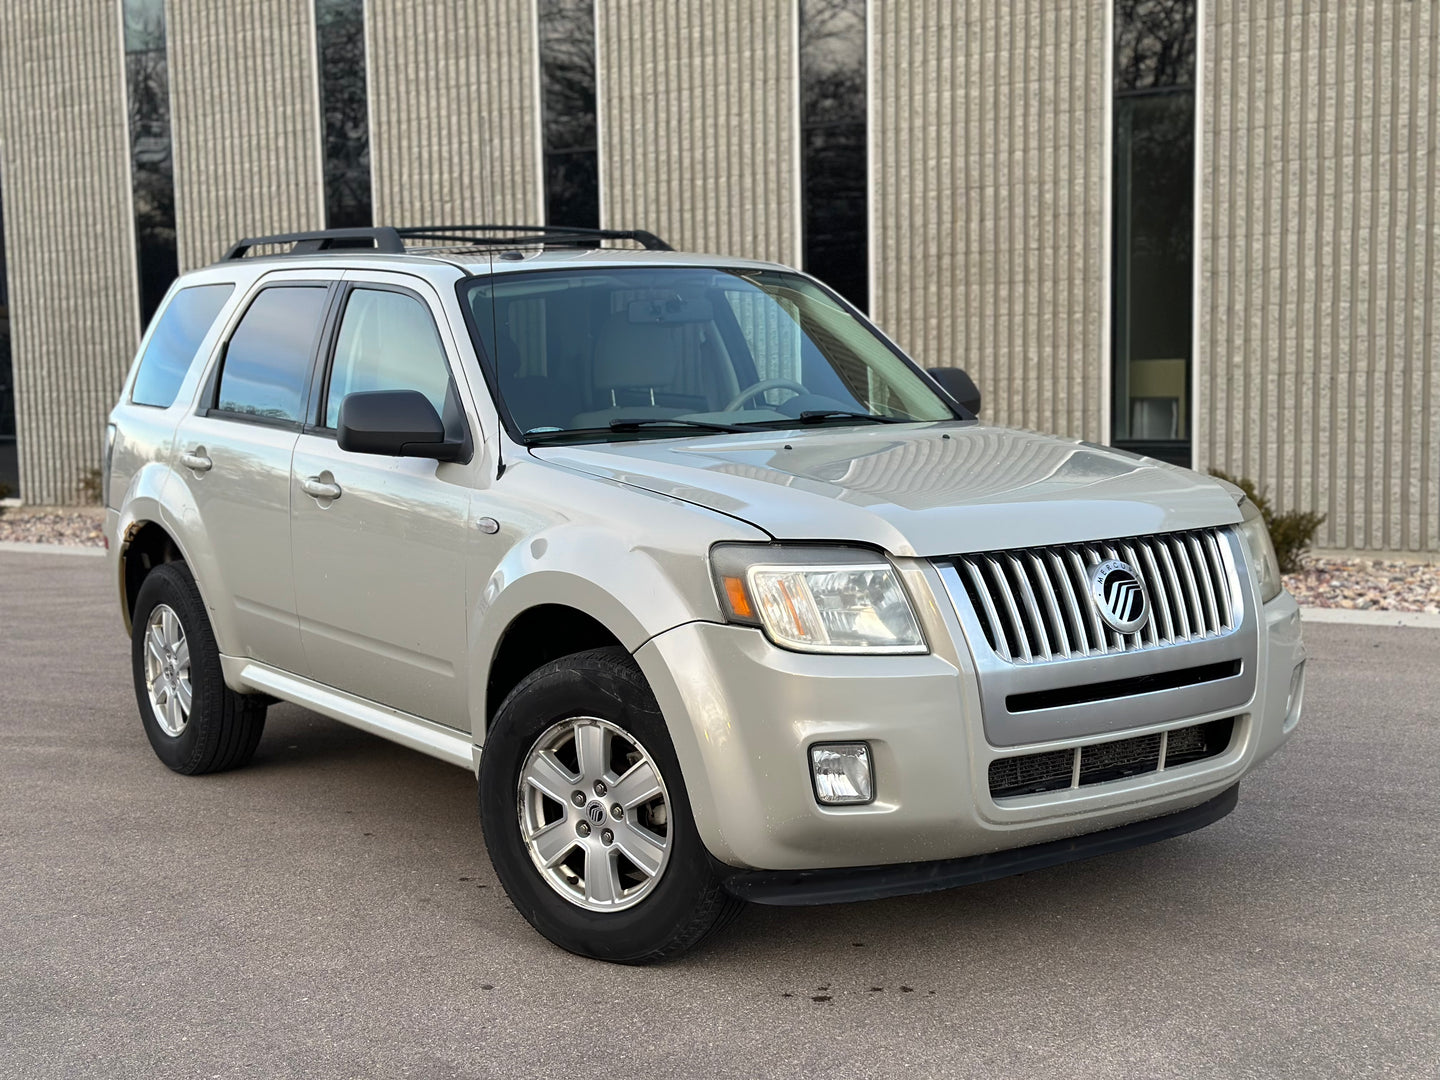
<point x="1263" y="563"/>
<point x="816" y="599"/>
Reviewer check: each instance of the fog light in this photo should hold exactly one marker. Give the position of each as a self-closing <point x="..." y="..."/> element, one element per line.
<point x="841" y="773"/>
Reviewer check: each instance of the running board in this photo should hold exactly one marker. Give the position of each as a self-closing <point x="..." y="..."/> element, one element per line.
<point x="250" y="676"/>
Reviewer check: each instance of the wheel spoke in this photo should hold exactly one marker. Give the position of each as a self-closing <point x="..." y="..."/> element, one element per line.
<point x="154" y="653"/>
<point x="172" y="711"/>
<point x="182" y="656"/>
<point x="640" y="846"/>
<point x="639" y="785"/>
<point x="602" y="882"/>
<point x="553" y="842"/>
<point x="183" y="692"/>
<point x="545" y="773"/>
<point x="161" y="690"/>
<point x="169" y="628"/>
<point x="591" y="743"/>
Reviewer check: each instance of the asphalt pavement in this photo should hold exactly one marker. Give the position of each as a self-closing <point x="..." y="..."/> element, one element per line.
<point x="329" y="911"/>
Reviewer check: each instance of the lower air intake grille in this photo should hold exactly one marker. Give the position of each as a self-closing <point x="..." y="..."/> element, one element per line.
<point x="1054" y="770"/>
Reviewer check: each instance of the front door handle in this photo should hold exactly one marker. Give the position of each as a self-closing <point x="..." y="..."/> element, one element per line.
<point x="196" y="460"/>
<point x="319" y="489"/>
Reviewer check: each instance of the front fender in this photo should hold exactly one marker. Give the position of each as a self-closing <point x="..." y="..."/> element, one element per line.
<point x="635" y="589"/>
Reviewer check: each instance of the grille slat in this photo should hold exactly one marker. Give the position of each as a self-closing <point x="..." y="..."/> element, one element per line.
<point x="1034" y="604"/>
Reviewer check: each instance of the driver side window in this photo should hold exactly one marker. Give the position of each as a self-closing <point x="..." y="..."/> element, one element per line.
<point x="387" y="341"/>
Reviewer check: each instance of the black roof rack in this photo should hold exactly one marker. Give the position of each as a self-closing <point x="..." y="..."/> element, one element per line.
<point x="389" y="240"/>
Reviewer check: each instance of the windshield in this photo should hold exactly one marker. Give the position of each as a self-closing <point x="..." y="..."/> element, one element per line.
<point x="660" y="351"/>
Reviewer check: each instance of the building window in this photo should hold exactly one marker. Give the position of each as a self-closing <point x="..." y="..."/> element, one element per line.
<point x="1154" y="213"/>
<point x="344" y="107"/>
<point x="9" y="465"/>
<point x="567" y="107"/>
<point x="152" y="173"/>
<point x="836" y="245"/>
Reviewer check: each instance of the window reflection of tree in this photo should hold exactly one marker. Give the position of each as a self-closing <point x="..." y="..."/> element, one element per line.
<point x="340" y="36"/>
<point x="832" y="110"/>
<point x="152" y="171"/>
<point x="567" y="70"/>
<point x="1154" y="44"/>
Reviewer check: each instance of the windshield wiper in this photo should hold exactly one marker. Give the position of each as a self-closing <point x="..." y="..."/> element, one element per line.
<point x="816" y="416"/>
<point x="622" y="424"/>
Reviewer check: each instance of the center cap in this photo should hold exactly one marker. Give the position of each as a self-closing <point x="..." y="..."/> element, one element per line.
<point x="596" y="813"/>
<point x="1119" y="596"/>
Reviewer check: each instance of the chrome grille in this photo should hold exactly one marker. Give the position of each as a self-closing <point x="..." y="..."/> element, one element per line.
<point x="1034" y="604"/>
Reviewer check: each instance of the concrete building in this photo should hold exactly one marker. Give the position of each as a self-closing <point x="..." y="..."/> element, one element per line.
<point x="1204" y="229"/>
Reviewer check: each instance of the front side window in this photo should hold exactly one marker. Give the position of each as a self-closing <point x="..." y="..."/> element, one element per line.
<point x="267" y="362"/>
<point x="387" y="341"/>
<point x="575" y="354"/>
<point x="171" y="349"/>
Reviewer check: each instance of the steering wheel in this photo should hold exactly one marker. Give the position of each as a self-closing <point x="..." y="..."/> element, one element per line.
<point x="759" y="388"/>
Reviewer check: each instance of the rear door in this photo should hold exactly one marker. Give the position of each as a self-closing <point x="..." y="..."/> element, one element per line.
<point x="233" y="457"/>
<point x="380" y="543"/>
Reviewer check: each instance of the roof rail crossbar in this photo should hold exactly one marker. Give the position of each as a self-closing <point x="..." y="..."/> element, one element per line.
<point x="389" y="240"/>
<point x="382" y="238"/>
<point x="532" y="234"/>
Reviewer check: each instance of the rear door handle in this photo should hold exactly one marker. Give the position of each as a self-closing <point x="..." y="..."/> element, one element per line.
<point x="196" y="460"/>
<point x="319" y="489"/>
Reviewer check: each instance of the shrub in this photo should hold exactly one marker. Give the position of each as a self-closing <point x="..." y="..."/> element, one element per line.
<point x="91" y="486"/>
<point x="1291" y="532"/>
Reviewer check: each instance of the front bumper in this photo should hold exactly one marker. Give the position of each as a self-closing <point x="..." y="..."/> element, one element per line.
<point x="743" y="713"/>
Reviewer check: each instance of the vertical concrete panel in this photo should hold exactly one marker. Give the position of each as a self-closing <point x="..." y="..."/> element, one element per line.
<point x="65" y="167"/>
<point x="989" y="242"/>
<point x="1317" y="357"/>
<point x="454" y="122"/>
<point x="245" y="119"/>
<point x="699" y="135"/>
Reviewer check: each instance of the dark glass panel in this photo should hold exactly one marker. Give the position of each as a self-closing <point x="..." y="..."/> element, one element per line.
<point x="7" y="373"/>
<point x="267" y="361"/>
<point x="152" y="174"/>
<point x="345" y="109"/>
<point x="567" y="96"/>
<point x="1154" y="193"/>
<point x="1154" y="44"/>
<point x="833" y="147"/>
<point x="171" y="349"/>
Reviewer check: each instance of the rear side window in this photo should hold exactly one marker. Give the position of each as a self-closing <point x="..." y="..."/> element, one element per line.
<point x="171" y="350"/>
<point x="267" y="363"/>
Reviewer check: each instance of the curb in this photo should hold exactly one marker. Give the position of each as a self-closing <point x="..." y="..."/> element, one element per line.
<point x="7" y="546"/>
<point x="1417" y="619"/>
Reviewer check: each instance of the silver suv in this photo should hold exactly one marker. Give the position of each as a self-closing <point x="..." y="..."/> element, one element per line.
<point x="721" y="596"/>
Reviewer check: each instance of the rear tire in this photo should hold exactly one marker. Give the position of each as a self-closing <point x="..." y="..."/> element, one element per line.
<point x="632" y="888"/>
<point x="195" y="723"/>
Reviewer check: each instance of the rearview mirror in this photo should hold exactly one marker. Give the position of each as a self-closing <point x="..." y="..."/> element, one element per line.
<point x="398" y="423"/>
<point x="959" y="386"/>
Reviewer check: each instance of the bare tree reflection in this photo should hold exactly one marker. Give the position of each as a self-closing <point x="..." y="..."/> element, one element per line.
<point x="567" y="87"/>
<point x="151" y="166"/>
<point x="340" y="37"/>
<point x="1154" y="43"/>
<point x="832" y="126"/>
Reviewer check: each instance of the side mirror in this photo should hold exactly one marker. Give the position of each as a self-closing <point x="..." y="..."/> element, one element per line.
<point x="955" y="382"/>
<point x="399" y="423"/>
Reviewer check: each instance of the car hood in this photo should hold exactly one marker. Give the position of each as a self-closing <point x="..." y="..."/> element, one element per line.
<point x="917" y="489"/>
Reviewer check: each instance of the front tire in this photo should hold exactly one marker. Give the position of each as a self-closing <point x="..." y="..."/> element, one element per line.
<point x="195" y="723"/>
<point x="586" y="816"/>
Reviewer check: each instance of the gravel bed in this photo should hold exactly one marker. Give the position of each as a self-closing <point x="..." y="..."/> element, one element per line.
<point x="1359" y="584"/>
<point x="77" y="525"/>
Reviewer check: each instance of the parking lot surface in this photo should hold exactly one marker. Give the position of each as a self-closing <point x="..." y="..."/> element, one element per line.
<point x="330" y="911"/>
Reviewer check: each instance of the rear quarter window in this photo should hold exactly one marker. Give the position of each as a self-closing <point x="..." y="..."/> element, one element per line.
<point x="171" y="349"/>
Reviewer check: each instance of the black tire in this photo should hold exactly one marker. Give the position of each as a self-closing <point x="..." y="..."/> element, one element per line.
<point x="687" y="902"/>
<point x="223" y="727"/>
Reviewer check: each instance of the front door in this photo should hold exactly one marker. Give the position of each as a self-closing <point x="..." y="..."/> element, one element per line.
<point x="380" y="542"/>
